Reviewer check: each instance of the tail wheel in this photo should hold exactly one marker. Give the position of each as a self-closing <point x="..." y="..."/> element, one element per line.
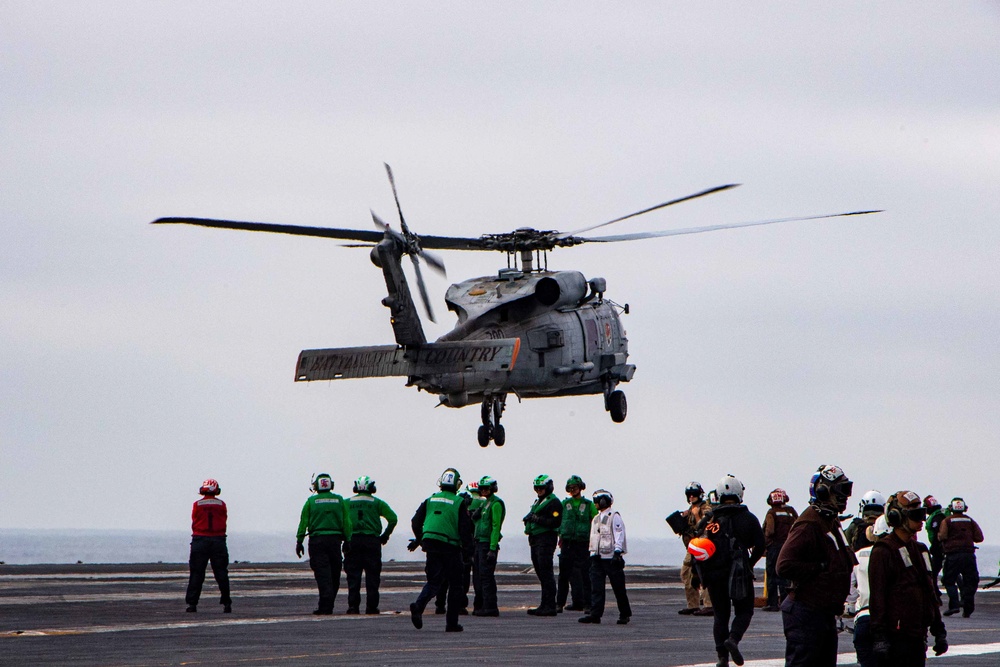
<point x="618" y="406"/>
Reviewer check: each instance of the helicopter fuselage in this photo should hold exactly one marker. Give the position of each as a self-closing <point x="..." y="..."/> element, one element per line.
<point x="571" y="339"/>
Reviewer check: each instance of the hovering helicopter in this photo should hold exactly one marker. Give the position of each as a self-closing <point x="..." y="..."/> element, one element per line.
<point x="526" y="331"/>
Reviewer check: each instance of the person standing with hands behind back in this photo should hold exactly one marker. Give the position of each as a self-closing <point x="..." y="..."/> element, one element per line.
<point x="607" y="546"/>
<point x="208" y="544"/>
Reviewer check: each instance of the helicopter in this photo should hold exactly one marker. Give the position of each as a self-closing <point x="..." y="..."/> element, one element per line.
<point x="526" y="330"/>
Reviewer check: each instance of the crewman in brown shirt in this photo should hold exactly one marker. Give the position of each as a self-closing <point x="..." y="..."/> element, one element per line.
<point x="818" y="562"/>
<point x="959" y="534"/>
<point x="903" y="602"/>
<point x="777" y="522"/>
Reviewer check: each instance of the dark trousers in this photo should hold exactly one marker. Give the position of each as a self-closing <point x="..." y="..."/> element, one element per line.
<point x="724" y="606"/>
<point x="203" y="551"/>
<point x="326" y="562"/>
<point x="961" y="575"/>
<point x="484" y="578"/>
<point x="574" y="573"/>
<point x="443" y="567"/>
<point x="863" y="641"/>
<point x="543" y="548"/>
<point x="777" y="588"/>
<point x="440" y="602"/>
<point x="810" y="635"/>
<point x="602" y="569"/>
<point x="905" y="651"/>
<point x="366" y="557"/>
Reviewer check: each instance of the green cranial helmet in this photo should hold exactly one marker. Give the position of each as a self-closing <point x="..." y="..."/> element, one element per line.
<point x="450" y="480"/>
<point x="364" y="484"/>
<point x="575" y="480"/>
<point x="544" y="481"/>
<point x="488" y="482"/>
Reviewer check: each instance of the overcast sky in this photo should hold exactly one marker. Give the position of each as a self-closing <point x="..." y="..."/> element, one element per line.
<point x="138" y="360"/>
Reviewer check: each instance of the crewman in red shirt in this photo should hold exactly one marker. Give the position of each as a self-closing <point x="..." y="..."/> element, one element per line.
<point x="208" y="544"/>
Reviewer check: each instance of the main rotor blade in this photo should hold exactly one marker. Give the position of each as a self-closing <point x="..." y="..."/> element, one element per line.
<point x="423" y="287"/>
<point x="298" y="230"/>
<point x="720" y="188"/>
<point x="710" y="228"/>
<point x="395" y="195"/>
<point x="432" y="260"/>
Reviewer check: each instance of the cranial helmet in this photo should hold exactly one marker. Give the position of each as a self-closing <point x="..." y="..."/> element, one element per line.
<point x="904" y="505"/>
<point x="694" y="489"/>
<point x="777" y="497"/>
<point x="487" y="482"/>
<point x="873" y="502"/>
<point x="450" y="480"/>
<point x="958" y="505"/>
<point x="931" y="503"/>
<point x="473" y="488"/>
<point x="603" y="498"/>
<point x="879" y="529"/>
<point x="830" y="488"/>
<point x="575" y="480"/>
<point x="701" y="548"/>
<point x="546" y="481"/>
<point x="729" y="488"/>
<point x="209" y="488"/>
<point x="322" y="482"/>
<point x="364" y="484"/>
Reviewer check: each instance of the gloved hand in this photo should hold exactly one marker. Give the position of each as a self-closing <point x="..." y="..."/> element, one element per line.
<point x="413" y="545"/>
<point x="346" y="548"/>
<point x="940" y="644"/>
<point x="384" y="539"/>
<point x="491" y="558"/>
<point x="881" y="647"/>
<point x="617" y="559"/>
<point x="530" y="518"/>
<point x="299" y="550"/>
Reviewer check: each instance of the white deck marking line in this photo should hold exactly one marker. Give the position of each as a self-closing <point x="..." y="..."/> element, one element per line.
<point x="852" y="659"/>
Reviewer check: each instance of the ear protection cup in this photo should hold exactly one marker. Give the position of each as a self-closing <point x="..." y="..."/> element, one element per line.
<point x="823" y="493"/>
<point x="892" y="514"/>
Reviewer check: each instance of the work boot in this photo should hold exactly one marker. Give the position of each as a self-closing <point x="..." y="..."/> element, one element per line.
<point x="623" y="620"/>
<point x="734" y="650"/>
<point x="543" y="611"/>
<point x="192" y="608"/>
<point x="454" y="628"/>
<point x="372" y="612"/>
<point x="416" y="616"/>
<point x="589" y="619"/>
<point x="323" y="612"/>
<point x="559" y="608"/>
<point x="723" y="659"/>
<point x="575" y="607"/>
<point x="439" y="610"/>
<point x="227" y="609"/>
<point x="353" y="611"/>
<point x="486" y="612"/>
<point x="952" y="611"/>
<point x="704" y="611"/>
<point x="688" y="611"/>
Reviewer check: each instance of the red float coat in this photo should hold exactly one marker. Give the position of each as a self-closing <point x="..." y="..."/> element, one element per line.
<point x="208" y="517"/>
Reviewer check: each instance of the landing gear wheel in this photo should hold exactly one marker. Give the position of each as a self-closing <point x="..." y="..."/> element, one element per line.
<point x="484" y="436"/>
<point x="499" y="435"/>
<point x="618" y="406"/>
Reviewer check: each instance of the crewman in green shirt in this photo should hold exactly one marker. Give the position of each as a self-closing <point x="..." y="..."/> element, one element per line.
<point x="574" y="549"/>
<point x="443" y="527"/>
<point x="326" y="521"/>
<point x="488" y="521"/>
<point x="471" y="493"/>
<point x="365" y="554"/>
<point x="541" y="525"/>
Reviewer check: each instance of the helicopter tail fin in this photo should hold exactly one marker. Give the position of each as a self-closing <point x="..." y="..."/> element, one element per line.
<point x="425" y="360"/>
